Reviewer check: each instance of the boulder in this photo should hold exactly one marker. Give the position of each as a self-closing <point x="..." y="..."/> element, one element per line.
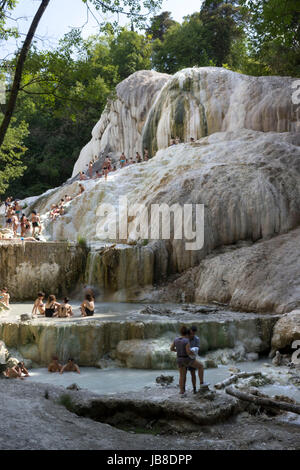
<point x="26" y="317"/>
<point x="286" y="331"/>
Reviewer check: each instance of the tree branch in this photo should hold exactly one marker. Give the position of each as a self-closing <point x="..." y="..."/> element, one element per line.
<point x="19" y="69"/>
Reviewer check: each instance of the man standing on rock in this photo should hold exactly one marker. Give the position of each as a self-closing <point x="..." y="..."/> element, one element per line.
<point x="194" y="343"/>
<point x="185" y="358"/>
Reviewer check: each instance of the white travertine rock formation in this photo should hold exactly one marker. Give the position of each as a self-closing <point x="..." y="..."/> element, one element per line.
<point x="286" y="331"/>
<point x="201" y="101"/>
<point x="121" y="124"/>
<point x="244" y="167"/>
<point x="262" y="276"/>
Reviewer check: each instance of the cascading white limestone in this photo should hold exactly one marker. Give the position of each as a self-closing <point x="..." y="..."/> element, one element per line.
<point x="201" y="101"/>
<point x="121" y="124"/>
<point x="245" y="167"/>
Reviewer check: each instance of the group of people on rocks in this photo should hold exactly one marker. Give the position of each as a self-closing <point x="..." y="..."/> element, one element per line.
<point x="59" y="209"/>
<point x="51" y="308"/>
<point x="177" y="141"/>
<point x="28" y="227"/>
<point x="108" y="167"/>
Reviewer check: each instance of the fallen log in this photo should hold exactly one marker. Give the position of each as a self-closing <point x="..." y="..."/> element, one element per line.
<point x="261" y="401"/>
<point x="233" y="378"/>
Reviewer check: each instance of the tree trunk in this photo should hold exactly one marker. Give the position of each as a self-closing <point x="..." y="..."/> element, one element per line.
<point x="265" y="402"/>
<point x="19" y="70"/>
<point x="235" y="377"/>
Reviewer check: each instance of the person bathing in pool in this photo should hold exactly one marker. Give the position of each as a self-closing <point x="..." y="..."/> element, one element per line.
<point x="70" y="367"/>
<point x="88" y="306"/>
<point x="54" y="365"/>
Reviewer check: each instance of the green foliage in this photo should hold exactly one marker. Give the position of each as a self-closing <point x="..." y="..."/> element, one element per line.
<point x="63" y="94"/>
<point x="82" y="242"/>
<point x="130" y="52"/>
<point x="274" y="35"/>
<point x="6" y="6"/>
<point x="66" y="401"/>
<point x="159" y="25"/>
<point x="137" y="11"/>
<point x="11" y="152"/>
<point x="183" y="46"/>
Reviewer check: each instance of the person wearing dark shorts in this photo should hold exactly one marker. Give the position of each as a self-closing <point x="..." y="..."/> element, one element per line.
<point x="194" y="343"/>
<point x="181" y="346"/>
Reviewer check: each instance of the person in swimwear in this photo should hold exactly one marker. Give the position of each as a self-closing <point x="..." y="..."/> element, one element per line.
<point x="122" y="160"/>
<point x="23" y="369"/>
<point x="82" y="176"/>
<point x="4" y="297"/>
<point x="106" y="166"/>
<point x="23" y="225"/>
<point x="36" y="223"/>
<point x="88" y="306"/>
<point x="91" y="170"/>
<point x="38" y="305"/>
<point x="70" y="367"/>
<point x="65" y="309"/>
<point x="54" y="365"/>
<point x="98" y="174"/>
<point x="51" y="307"/>
<point x="10" y="212"/>
<point x="146" y="155"/>
<point x="18" y="208"/>
<point x="138" y="157"/>
<point x="13" y="373"/>
<point x="14" y="224"/>
<point x="81" y="189"/>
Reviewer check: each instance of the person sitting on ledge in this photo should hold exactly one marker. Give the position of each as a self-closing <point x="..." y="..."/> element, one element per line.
<point x="4" y="297"/>
<point x="181" y="346"/>
<point x="54" y="365"/>
<point x="23" y="369"/>
<point x="70" y="367"/>
<point x="88" y="306"/>
<point x="65" y="309"/>
<point x="38" y="305"/>
<point x="51" y="307"/>
<point x="15" y="372"/>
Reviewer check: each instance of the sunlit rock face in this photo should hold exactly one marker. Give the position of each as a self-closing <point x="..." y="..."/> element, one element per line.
<point x="197" y="102"/>
<point x="263" y="276"/>
<point x="244" y="168"/>
<point x="286" y="331"/>
<point x="249" y="182"/>
<point x="121" y="125"/>
<point x="29" y="268"/>
<point x="134" y="343"/>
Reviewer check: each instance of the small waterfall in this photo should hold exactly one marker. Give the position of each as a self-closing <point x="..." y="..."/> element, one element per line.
<point x="118" y="270"/>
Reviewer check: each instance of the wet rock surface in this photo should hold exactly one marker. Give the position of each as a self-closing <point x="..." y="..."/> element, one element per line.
<point x="286" y="331"/>
<point x="32" y="418"/>
<point x="138" y="340"/>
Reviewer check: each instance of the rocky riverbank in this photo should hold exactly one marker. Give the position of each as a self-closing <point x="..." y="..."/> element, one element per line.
<point x="32" y="417"/>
